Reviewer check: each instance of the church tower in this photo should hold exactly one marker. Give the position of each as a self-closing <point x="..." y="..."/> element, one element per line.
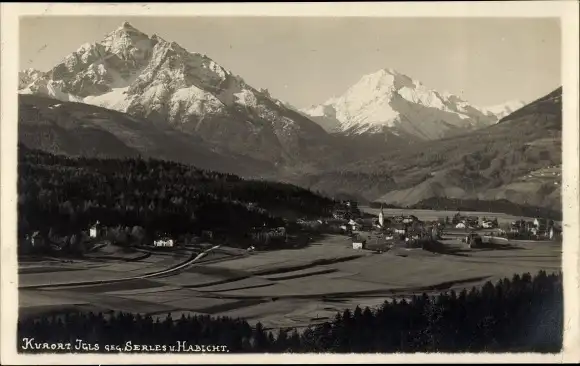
<point x="381" y="217"/>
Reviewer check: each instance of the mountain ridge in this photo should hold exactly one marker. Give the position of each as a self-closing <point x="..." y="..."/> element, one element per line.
<point x="153" y="79"/>
<point x="399" y="141"/>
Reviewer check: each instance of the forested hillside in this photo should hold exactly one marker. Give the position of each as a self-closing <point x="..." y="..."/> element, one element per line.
<point x="66" y="195"/>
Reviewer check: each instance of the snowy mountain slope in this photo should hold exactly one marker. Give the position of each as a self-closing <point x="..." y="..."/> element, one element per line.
<point x="151" y="78"/>
<point x="504" y="109"/>
<point x="390" y="101"/>
<point x="26" y="77"/>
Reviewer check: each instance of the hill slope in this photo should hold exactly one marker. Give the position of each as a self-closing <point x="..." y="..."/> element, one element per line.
<point x="518" y="159"/>
<point x="78" y="129"/>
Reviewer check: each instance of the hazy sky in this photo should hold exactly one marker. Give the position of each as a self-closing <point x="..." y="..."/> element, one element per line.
<point x="305" y="61"/>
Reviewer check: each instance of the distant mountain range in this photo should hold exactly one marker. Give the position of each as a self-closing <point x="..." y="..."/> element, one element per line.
<point x="518" y="159"/>
<point x="387" y="137"/>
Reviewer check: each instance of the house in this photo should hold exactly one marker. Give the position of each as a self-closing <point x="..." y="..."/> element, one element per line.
<point x="35" y="239"/>
<point x="356" y="226"/>
<point x="399" y="228"/>
<point x="542" y="227"/>
<point x="554" y="232"/>
<point x="95" y="230"/>
<point x="358" y="242"/>
<point x="164" y="242"/>
<point x="540" y="223"/>
<point x="487" y="225"/>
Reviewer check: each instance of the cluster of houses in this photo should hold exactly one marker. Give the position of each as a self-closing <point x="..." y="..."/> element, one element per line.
<point x="161" y="240"/>
<point x="473" y="222"/>
<point x="539" y="228"/>
<point x="386" y="232"/>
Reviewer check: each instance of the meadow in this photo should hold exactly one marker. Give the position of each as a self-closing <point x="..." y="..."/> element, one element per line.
<point x="290" y="288"/>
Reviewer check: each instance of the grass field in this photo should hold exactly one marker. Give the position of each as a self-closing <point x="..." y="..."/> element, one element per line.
<point x="285" y="288"/>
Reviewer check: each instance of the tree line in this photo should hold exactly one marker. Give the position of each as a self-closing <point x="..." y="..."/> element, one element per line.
<point x="65" y="196"/>
<point x="521" y="314"/>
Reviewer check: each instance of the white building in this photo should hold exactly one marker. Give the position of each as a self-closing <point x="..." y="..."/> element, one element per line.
<point x="35" y="238"/>
<point x="163" y="242"/>
<point x="94" y="230"/>
<point x="551" y="234"/>
<point x="487" y="225"/>
<point x="381" y="217"/>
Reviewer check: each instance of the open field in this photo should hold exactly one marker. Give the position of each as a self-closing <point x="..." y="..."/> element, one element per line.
<point x="285" y="288"/>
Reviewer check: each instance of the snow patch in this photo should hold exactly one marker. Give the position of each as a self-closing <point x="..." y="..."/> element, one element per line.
<point x="116" y="99"/>
<point x="246" y="98"/>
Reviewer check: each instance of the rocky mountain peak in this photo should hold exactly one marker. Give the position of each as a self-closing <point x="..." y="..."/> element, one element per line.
<point x="162" y="82"/>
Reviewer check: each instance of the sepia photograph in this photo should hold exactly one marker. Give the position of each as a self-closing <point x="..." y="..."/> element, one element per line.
<point x="192" y="183"/>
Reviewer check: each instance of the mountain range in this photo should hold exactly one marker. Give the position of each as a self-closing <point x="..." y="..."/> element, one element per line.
<point x="517" y="159"/>
<point x="134" y="94"/>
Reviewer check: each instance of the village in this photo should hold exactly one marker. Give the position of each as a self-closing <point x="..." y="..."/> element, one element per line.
<point x="367" y="232"/>
<point x="408" y="231"/>
<point x="288" y="275"/>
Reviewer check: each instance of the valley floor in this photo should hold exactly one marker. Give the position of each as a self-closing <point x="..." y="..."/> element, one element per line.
<point x="285" y="288"/>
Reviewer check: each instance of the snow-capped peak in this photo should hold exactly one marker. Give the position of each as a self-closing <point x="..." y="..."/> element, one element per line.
<point x="149" y="77"/>
<point x="503" y="109"/>
<point x="125" y="39"/>
<point x="392" y="100"/>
